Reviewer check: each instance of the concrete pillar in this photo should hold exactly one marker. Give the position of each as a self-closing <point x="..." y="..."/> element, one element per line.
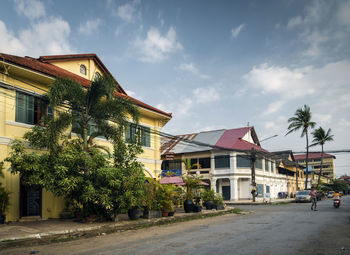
<point x="213" y="184"/>
<point x="212" y="164"/>
<point x="234" y="188"/>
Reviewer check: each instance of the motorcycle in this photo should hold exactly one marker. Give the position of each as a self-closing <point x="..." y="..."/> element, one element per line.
<point x="336" y="203"/>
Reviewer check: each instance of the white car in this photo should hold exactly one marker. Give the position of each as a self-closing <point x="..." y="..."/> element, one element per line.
<point x="303" y="196"/>
<point x="330" y="194"/>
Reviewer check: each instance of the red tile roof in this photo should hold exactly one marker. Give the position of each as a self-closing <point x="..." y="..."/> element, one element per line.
<point x="43" y="65"/>
<point x="241" y="144"/>
<point x="230" y="136"/>
<point x="313" y="155"/>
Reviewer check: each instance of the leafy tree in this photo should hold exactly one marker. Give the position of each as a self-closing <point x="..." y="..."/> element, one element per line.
<point x="320" y="137"/>
<point x="302" y="120"/>
<point x="93" y="107"/>
<point x="78" y="169"/>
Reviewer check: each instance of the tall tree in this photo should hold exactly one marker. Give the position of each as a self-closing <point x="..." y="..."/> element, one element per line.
<point x="302" y="120"/>
<point x="320" y="137"/>
<point x="92" y="108"/>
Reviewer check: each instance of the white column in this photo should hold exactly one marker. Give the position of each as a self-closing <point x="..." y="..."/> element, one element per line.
<point x="212" y="164"/>
<point x="213" y="184"/>
<point x="234" y="188"/>
<point x="232" y="162"/>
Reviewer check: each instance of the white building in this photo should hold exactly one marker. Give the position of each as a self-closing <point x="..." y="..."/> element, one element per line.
<point x="224" y="159"/>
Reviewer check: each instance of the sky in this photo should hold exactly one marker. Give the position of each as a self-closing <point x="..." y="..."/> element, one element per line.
<point x="213" y="64"/>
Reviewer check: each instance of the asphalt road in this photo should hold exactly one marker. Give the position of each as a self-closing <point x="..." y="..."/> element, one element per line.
<point x="271" y="229"/>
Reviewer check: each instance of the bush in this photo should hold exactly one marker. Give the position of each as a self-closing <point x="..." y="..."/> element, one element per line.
<point x="208" y="195"/>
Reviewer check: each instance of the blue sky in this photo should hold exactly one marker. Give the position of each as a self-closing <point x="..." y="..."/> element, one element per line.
<point x="213" y="64"/>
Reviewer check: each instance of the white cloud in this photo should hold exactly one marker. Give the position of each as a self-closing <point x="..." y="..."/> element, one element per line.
<point x="9" y="43"/>
<point x="235" y="31"/>
<point x="155" y="47"/>
<point x="343" y="14"/>
<point x="309" y="83"/>
<point x="205" y="95"/>
<point x="128" y="12"/>
<point x="322" y="119"/>
<point x="47" y="37"/>
<point x="276" y="79"/>
<point x="89" y="27"/>
<point x="293" y="22"/>
<point x="274" y="107"/>
<point x="190" y="67"/>
<point x="32" y="9"/>
<point x="41" y="38"/>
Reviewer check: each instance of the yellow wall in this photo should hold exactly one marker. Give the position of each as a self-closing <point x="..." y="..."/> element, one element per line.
<point x="9" y="130"/>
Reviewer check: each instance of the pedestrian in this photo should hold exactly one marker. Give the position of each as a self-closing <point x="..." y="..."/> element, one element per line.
<point x="313" y="195"/>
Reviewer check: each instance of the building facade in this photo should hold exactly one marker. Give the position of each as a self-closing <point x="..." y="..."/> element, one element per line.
<point x="224" y="157"/>
<point x="294" y="174"/>
<point x="328" y="169"/>
<point x="23" y="82"/>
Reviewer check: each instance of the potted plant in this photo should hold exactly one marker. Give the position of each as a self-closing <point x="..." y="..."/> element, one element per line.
<point x="167" y="201"/>
<point x="191" y="184"/>
<point x="208" y="197"/>
<point x="219" y="203"/>
<point x="152" y="199"/>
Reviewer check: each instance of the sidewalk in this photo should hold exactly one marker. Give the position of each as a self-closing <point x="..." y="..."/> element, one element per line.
<point x="47" y="231"/>
<point x="260" y="201"/>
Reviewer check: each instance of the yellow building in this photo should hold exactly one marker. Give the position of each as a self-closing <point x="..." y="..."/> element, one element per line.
<point x="328" y="170"/>
<point x="286" y="165"/>
<point x="23" y="81"/>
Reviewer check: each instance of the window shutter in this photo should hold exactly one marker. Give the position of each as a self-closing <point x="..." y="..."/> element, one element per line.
<point x="20" y="107"/>
<point x="30" y="109"/>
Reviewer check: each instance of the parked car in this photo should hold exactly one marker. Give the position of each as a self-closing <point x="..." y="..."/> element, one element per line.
<point x="303" y="196"/>
<point x="330" y="194"/>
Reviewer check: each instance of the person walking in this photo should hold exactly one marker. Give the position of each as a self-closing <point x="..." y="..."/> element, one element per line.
<point x="313" y="195"/>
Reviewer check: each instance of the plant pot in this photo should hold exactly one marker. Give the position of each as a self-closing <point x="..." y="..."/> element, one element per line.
<point x="220" y="207"/>
<point x="197" y="208"/>
<point x="150" y="214"/>
<point x="209" y="205"/>
<point x="165" y="214"/>
<point x="2" y="219"/>
<point x="171" y="213"/>
<point x="133" y="213"/>
<point x="188" y="206"/>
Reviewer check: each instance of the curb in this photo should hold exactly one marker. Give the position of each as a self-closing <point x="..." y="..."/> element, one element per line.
<point x="71" y="234"/>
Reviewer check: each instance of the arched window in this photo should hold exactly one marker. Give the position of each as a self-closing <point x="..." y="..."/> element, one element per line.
<point x="97" y="75"/>
<point x="83" y="69"/>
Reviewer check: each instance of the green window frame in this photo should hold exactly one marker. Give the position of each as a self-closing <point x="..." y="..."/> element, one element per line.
<point x="132" y="130"/>
<point x="30" y="109"/>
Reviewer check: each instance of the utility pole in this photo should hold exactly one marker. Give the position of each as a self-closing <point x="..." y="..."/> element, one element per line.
<point x="252" y="164"/>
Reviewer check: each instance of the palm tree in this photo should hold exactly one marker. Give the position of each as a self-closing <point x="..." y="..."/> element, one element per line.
<point x="320" y="138"/>
<point x="92" y="108"/>
<point x="302" y="120"/>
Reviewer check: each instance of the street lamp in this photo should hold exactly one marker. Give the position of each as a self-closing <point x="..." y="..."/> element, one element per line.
<point x="268" y="138"/>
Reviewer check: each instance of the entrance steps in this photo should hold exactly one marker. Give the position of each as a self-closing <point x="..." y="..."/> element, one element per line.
<point x="30" y="218"/>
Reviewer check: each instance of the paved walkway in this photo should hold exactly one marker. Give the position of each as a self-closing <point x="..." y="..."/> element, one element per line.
<point x="16" y="233"/>
<point x="260" y="201"/>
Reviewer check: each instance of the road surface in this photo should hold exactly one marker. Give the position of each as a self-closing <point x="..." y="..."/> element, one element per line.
<point x="271" y="229"/>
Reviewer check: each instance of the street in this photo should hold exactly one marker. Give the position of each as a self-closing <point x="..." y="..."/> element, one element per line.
<point x="271" y="229"/>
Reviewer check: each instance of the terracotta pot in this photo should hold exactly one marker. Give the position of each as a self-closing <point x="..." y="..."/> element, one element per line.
<point x="165" y="214"/>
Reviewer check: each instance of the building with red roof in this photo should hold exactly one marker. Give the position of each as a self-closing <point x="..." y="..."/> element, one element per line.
<point x="224" y="157"/>
<point x="314" y="162"/>
<point x="23" y="83"/>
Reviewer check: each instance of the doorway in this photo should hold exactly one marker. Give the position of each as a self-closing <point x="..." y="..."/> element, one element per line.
<point x="30" y="200"/>
<point x="226" y="192"/>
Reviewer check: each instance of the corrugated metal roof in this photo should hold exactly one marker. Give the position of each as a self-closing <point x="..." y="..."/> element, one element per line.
<point x="208" y="137"/>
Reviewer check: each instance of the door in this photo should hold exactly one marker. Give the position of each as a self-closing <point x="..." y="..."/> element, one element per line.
<point x="226" y="192"/>
<point x="31" y="200"/>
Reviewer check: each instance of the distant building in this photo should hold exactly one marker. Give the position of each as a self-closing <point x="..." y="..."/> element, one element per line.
<point x="224" y="159"/>
<point x="328" y="169"/>
<point x="286" y="165"/>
